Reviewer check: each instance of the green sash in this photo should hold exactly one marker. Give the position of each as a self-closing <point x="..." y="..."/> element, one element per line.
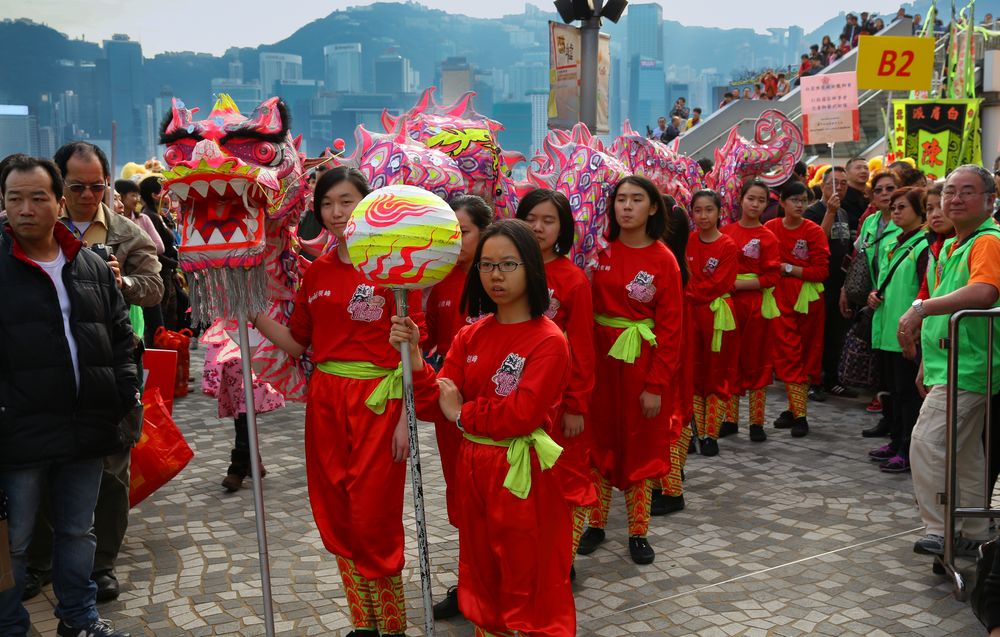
<point x="518" y="480"/>
<point x="629" y="344"/>
<point x="722" y="322"/>
<point x="391" y="386"/>
<point x="810" y="292"/>
<point x="768" y="305"/>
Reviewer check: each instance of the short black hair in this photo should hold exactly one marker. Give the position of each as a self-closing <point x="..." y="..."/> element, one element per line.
<point x="656" y="225"/>
<point x="716" y="199"/>
<point x="125" y="186"/>
<point x="908" y="175"/>
<point x="149" y="190"/>
<point x="854" y="159"/>
<point x="753" y="182"/>
<point x="835" y="169"/>
<point x="24" y="163"/>
<point x="478" y="210"/>
<point x="706" y="164"/>
<point x="676" y="233"/>
<point x="801" y="169"/>
<point x="697" y="109"/>
<point x="475" y="300"/>
<point x="331" y="178"/>
<point x="567" y="226"/>
<point x="793" y="188"/>
<point x="84" y="150"/>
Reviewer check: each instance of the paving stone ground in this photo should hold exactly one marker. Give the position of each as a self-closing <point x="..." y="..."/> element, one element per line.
<point x="789" y="537"/>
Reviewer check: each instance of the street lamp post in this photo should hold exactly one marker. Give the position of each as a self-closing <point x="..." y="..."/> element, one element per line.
<point x="589" y="12"/>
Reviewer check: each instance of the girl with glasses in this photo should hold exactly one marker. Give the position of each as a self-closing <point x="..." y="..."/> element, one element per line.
<point x="755" y="307"/>
<point x="638" y="316"/>
<point x="502" y="385"/>
<point x="804" y="256"/>
<point x="356" y="440"/>
<point x="571" y="308"/>
<point x="712" y="262"/>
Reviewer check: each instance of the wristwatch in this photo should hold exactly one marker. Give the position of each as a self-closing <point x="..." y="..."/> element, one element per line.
<point x="788" y="268"/>
<point x="918" y="307"/>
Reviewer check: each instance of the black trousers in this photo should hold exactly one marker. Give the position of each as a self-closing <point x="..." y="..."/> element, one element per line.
<point x="905" y="400"/>
<point x="834" y="331"/>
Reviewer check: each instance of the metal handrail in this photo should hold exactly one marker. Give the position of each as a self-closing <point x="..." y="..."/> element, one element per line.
<point x="950" y="497"/>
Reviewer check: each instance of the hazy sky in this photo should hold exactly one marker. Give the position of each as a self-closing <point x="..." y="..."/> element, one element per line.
<point x="212" y="26"/>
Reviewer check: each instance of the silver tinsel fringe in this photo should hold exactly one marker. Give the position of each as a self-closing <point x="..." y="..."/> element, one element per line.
<point x="227" y="293"/>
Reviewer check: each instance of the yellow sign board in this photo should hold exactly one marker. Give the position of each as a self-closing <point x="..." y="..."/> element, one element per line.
<point x="895" y="63"/>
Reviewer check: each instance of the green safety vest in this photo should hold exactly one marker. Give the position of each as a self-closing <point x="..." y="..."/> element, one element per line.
<point x="876" y="245"/>
<point x="945" y="275"/>
<point x="899" y="293"/>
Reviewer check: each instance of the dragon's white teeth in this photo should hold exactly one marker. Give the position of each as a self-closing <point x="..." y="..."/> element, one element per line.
<point x="238" y="237"/>
<point x="216" y="238"/>
<point x="180" y="189"/>
<point x="239" y="186"/>
<point x="251" y="227"/>
<point x="195" y="239"/>
<point x="201" y="187"/>
<point x="219" y="185"/>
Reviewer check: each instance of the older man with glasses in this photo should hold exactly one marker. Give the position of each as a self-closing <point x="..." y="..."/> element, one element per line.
<point x="966" y="275"/>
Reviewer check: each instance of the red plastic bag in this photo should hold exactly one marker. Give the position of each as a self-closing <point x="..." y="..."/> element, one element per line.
<point x="161" y="452"/>
<point x="180" y="342"/>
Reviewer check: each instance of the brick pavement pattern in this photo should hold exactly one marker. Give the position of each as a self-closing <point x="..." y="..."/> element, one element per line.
<point x="788" y="537"/>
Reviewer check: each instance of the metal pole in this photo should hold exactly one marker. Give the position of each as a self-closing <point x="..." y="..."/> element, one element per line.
<point x="589" y="36"/>
<point x="987" y="495"/>
<point x="415" y="473"/>
<point x="950" y="496"/>
<point x="258" y="491"/>
<point x="833" y="173"/>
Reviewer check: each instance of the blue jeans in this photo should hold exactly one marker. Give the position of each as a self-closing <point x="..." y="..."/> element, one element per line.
<point x="73" y="488"/>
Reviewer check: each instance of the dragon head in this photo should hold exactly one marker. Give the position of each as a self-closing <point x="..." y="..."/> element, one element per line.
<point x="470" y="139"/>
<point x="232" y="174"/>
<point x="577" y="165"/>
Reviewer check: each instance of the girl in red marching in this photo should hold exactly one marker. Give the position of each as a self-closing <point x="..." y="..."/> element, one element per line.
<point x="755" y="307"/>
<point x="712" y="260"/>
<point x="638" y="316"/>
<point x="502" y="385"/>
<point x="355" y="438"/>
<point x="571" y="308"/>
<point x="798" y="331"/>
<point x="444" y="320"/>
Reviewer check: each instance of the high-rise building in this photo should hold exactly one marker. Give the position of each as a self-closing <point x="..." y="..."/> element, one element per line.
<point x="276" y="67"/>
<point x="645" y="31"/>
<point x="647" y="98"/>
<point x="525" y="78"/>
<point x="247" y="95"/>
<point x="393" y="74"/>
<point x="342" y="67"/>
<point x="18" y="130"/>
<point x="517" y="132"/>
<point x="456" y="79"/>
<point x="539" y="121"/>
<point x="121" y="76"/>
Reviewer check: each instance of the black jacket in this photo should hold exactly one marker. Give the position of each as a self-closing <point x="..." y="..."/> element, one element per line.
<point x="43" y="417"/>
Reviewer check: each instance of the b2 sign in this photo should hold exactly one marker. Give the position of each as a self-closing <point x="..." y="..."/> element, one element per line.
<point x="895" y="63"/>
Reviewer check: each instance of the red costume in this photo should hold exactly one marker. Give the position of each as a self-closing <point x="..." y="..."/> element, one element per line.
<point x="514" y="553"/>
<point x="798" y="335"/>
<point x="572" y="310"/>
<point x="758" y="258"/>
<point x="634" y="284"/>
<point x="713" y="272"/>
<point x="355" y="489"/>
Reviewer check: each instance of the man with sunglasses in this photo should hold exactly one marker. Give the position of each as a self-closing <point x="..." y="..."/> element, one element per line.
<point x="86" y="174"/>
<point x="966" y="275"/>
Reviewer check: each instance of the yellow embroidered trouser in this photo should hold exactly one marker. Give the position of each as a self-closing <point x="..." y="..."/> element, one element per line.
<point x="482" y="632"/>
<point x="733" y="409"/>
<point x="699" y="414"/>
<point x="671" y="484"/>
<point x="710" y="422"/>
<point x="758" y="398"/>
<point x="375" y="604"/>
<point x="637" y="501"/>
<point x="580" y="516"/>
<point x="798" y="398"/>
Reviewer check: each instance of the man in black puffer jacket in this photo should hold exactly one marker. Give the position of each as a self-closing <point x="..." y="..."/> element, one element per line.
<point x="67" y="379"/>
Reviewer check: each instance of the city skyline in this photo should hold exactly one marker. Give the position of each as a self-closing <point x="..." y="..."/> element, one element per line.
<point x="148" y="25"/>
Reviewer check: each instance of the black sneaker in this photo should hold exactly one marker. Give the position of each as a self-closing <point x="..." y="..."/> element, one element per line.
<point x="816" y="394"/>
<point x="692" y="446"/>
<point x="664" y="504"/>
<point x="363" y="633"/>
<point x="107" y="585"/>
<point x="640" y="550"/>
<point x="784" y="420"/>
<point x="841" y="391"/>
<point x="880" y="430"/>
<point x="800" y="427"/>
<point x="709" y="447"/>
<point x="590" y="540"/>
<point x="34" y="582"/>
<point x="448" y="607"/>
<point x="757" y="433"/>
<point x="100" y="628"/>
<point x="728" y="428"/>
<point x="572" y="572"/>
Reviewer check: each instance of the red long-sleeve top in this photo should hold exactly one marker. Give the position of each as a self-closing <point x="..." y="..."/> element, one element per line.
<point x="758" y="253"/>
<point x="512" y="377"/>
<point x="571" y="308"/>
<point x="345" y="318"/>
<point x="644" y="283"/>
<point x="712" y="267"/>
<point x="806" y="247"/>
<point x="444" y="315"/>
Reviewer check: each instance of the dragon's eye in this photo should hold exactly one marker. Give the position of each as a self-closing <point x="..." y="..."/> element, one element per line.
<point x="178" y="152"/>
<point x="264" y="152"/>
<point x="254" y="151"/>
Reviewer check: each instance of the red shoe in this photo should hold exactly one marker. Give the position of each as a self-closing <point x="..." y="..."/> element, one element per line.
<point x="875" y="406"/>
